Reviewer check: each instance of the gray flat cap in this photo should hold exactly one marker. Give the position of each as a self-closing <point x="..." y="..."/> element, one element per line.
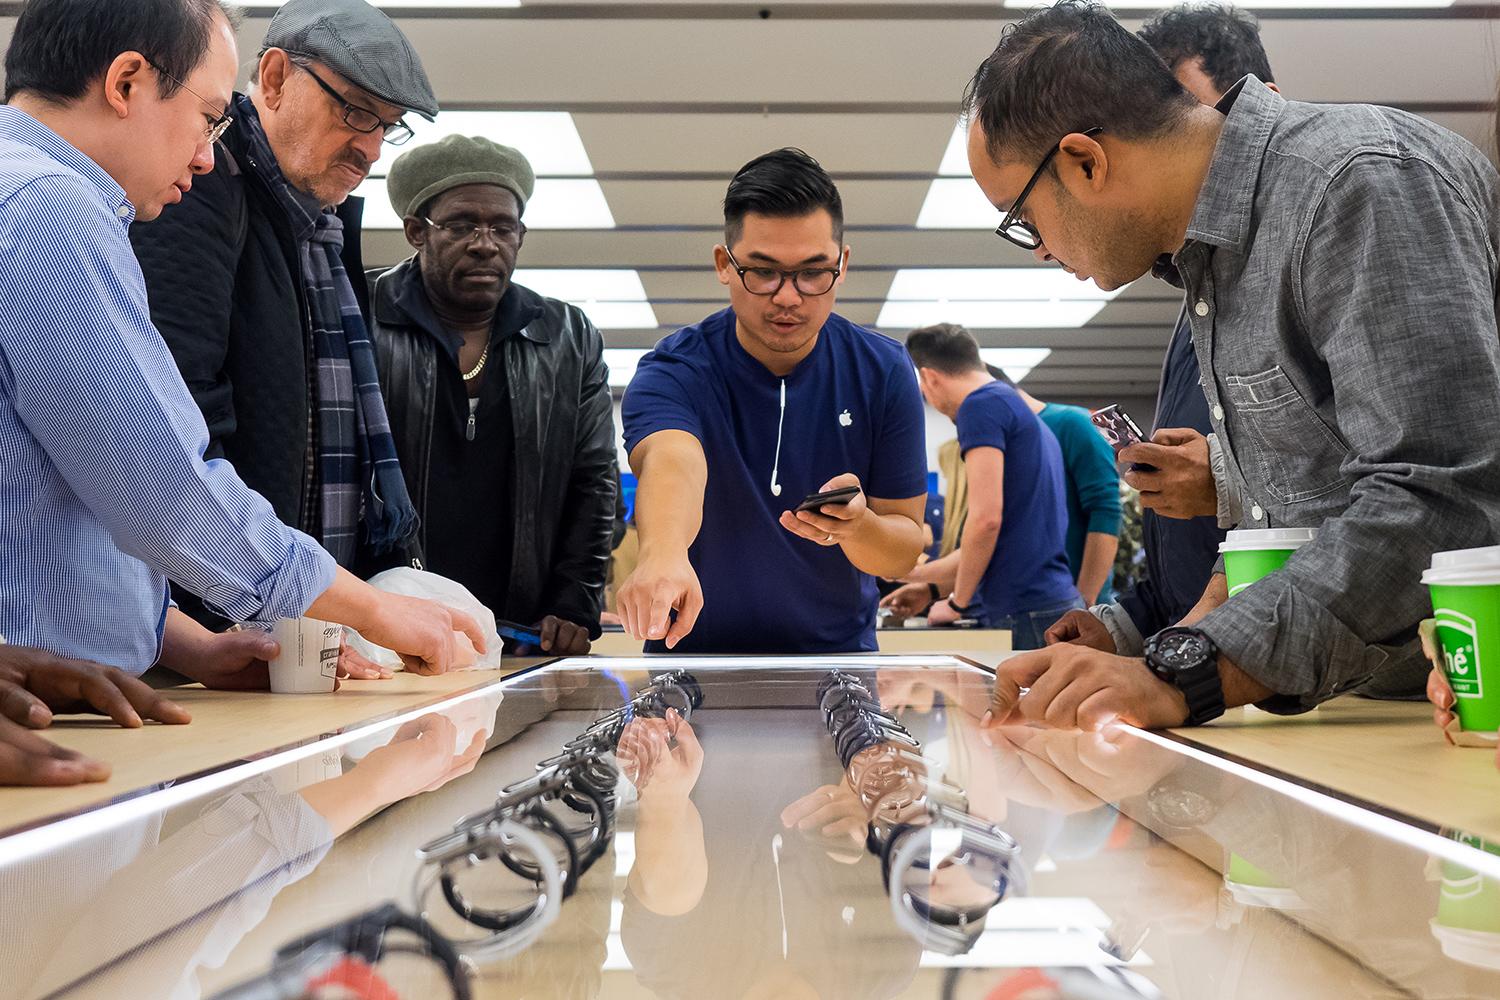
<point x="420" y="175"/>
<point x="361" y="44"/>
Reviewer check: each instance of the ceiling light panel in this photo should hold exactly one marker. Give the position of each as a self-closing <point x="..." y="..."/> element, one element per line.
<point x="622" y="362"/>
<point x="1017" y="362"/>
<point x="957" y="203"/>
<point x="991" y="298"/>
<point x="548" y="139"/>
<point x="557" y="203"/>
<point x="613" y="299"/>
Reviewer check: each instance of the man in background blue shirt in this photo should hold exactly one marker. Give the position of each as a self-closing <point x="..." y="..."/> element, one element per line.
<point x="1013" y="571"/>
<point x="730" y="422"/>
<point x="106" y="493"/>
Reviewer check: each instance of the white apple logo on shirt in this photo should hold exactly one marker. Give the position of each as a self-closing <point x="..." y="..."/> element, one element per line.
<point x="845" y="420"/>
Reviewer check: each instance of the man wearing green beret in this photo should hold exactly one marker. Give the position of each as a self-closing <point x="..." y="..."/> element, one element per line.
<point x="499" y="398"/>
<point x="256" y="282"/>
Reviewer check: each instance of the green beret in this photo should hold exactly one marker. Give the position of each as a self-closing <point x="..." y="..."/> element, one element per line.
<point x="420" y="175"/>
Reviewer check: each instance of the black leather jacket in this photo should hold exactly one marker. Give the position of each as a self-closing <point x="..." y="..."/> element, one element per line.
<point x="563" y="484"/>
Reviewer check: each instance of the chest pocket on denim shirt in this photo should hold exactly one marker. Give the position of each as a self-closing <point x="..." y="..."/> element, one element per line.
<point x="1279" y="439"/>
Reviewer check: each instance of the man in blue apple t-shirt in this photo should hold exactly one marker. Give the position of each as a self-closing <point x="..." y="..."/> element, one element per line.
<point x="731" y="422"/>
<point x="1013" y="568"/>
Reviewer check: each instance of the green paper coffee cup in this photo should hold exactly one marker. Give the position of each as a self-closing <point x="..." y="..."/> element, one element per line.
<point x="1467" y="924"/>
<point x="1465" y="587"/>
<point x="1255" y="553"/>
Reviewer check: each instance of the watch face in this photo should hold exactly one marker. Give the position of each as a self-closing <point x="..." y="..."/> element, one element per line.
<point x="1179" y="650"/>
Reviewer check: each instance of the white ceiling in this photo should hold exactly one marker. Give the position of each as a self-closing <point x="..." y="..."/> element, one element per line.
<point x="670" y="97"/>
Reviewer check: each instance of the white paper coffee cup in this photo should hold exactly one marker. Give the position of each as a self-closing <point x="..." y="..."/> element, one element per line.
<point x="309" y="659"/>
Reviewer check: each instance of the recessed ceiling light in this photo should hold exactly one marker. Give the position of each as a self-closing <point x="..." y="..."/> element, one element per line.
<point x="988" y="315"/>
<point x="548" y="139"/>
<point x="957" y="203"/>
<point x="993" y="284"/>
<point x="1017" y="362"/>
<point x="956" y="156"/>
<point x="622" y="362"/>
<point x="557" y="203"/>
<point x="613" y="299"/>
<point x="991" y="298"/>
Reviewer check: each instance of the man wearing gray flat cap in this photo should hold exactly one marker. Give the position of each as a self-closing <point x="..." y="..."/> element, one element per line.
<point x="499" y="398"/>
<point x="257" y="285"/>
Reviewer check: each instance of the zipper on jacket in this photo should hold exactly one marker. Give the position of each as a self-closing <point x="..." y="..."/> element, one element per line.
<point x="469" y="430"/>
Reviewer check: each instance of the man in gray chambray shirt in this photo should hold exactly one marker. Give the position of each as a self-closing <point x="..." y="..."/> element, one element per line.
<point x="1340" y="265"/>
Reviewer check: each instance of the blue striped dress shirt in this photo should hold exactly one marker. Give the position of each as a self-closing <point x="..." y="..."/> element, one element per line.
<point x="104" y="493"/>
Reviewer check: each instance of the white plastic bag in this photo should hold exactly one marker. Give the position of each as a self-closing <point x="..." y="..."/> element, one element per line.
<point x="441" y="590"/>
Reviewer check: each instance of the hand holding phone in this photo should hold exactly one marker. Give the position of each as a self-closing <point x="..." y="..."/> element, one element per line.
<point x="1120" y="431"/>
<point x="832" y="498"/>
<point x="523" y="634"/>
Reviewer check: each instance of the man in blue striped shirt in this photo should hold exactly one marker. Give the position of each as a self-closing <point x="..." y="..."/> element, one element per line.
<point x="112" y="108"/>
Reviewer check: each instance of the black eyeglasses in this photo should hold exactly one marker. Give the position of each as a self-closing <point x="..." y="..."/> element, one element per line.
<point x="218" y="122"/>
<point x="769" y="280"/>
<point x="361" y="119"/>
<point x="1024" y="234"/>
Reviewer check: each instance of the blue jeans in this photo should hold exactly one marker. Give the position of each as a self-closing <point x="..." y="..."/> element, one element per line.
<point x="1028" y="629"/>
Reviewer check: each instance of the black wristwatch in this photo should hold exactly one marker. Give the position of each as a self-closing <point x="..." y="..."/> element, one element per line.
<point x="1189" y="661"/>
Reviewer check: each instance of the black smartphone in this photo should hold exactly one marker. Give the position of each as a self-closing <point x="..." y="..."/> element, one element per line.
<point x="523" y="634"/>
<point x="834" y="498"/>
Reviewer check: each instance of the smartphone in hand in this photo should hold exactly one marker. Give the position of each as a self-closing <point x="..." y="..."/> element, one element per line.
<point x="832" y="498"/>
<point x="1118" y="429"/>
<point x="523" y="634"/>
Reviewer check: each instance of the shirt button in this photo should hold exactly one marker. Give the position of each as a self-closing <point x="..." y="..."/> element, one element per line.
<point x="1201" y="308"/>
<point x="1256" y="513"/>
<point x="123" y="211"/>
<point x="1218" y="412"/>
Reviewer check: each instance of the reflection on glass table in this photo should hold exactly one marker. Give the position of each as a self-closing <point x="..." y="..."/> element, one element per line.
<point x="738" y="862"/>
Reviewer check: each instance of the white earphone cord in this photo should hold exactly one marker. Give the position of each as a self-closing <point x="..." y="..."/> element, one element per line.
<point x="776" y="466"/>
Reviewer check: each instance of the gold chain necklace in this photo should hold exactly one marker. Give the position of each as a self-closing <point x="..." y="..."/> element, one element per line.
<point x="473" y="373"/>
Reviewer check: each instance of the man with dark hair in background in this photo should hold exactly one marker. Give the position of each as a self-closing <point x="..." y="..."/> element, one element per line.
<point x="730" y="422"/>
<point x="258" y="288"/>
<point x="1187" y="499"/>
<point x="1303" y="235"/>
<point x="112" y="110"/>
<point x="1012" y="567"/>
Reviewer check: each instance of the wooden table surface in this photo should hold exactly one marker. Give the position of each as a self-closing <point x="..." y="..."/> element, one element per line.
<point x="1385" y="753"/>
<point x="226" y="726"/>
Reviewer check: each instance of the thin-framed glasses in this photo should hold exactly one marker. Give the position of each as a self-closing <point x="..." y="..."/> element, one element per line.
<point x="810" y="281"/>
<point x="218" y="122"/>
<point x="363" y="120"/>
<point x="1018" y="231"/>
<point x="468" y="232"/>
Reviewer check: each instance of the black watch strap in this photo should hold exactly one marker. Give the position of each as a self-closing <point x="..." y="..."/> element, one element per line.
<point x="1198" y="680"/>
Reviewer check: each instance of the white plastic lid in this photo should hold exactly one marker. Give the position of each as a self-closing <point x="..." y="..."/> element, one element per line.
<point x="1477" y="948"/>
<point x="1473" y="567"/>
<point x="1262" y="539"/>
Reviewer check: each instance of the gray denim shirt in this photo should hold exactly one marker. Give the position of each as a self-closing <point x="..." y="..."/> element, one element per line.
<point x="1340" y="270"/>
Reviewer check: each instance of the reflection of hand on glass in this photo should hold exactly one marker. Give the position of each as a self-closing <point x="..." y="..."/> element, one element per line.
<point x="1030" y="778"/>
<point x="832" y="814"/>
<point x="663" y="758"/>
<point x="966" y="692"/>
<point x="1113" y="763"/>
<point x="419" y="758"/>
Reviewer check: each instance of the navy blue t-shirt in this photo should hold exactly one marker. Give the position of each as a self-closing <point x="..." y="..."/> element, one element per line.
<point x="851" y="406"/>
<point x="1029" y="570"/>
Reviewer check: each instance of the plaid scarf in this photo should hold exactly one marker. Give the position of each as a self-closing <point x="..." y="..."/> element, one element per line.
<point x="359" y="471"/>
